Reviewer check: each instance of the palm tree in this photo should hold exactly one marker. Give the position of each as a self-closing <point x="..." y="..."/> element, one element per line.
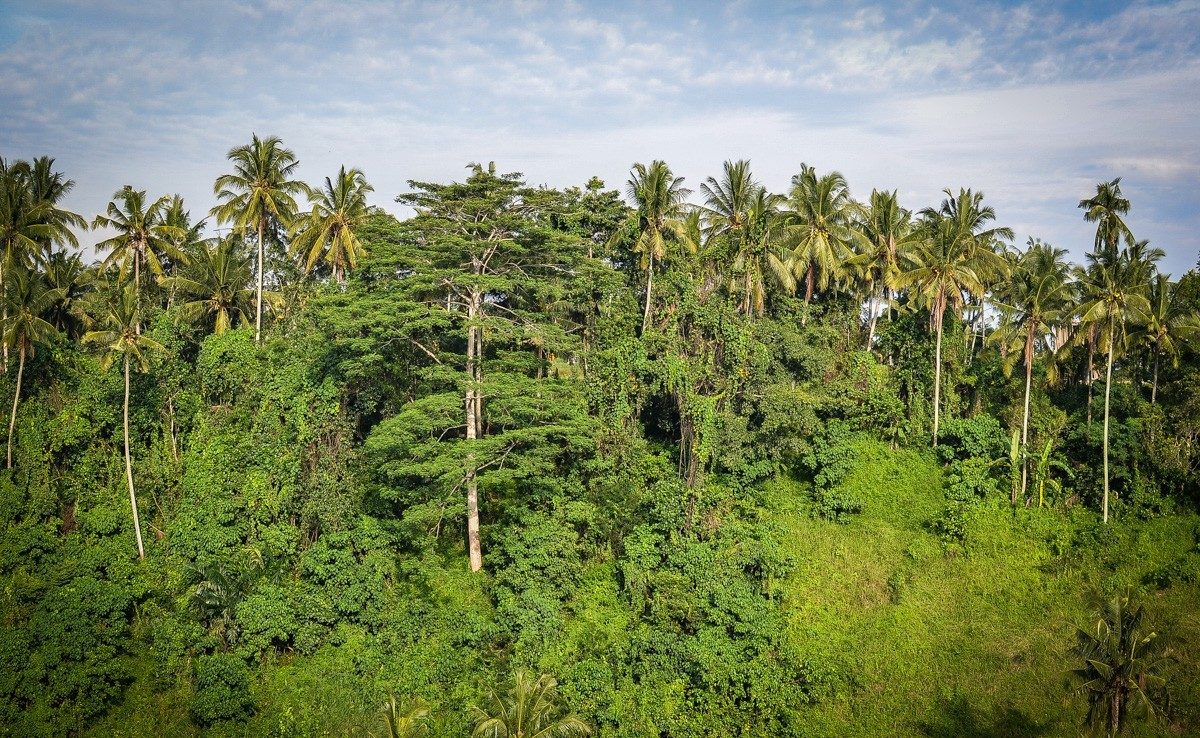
<point x="143" y="235"/>
<point x="329" y="230"/>
<point x="658" y="197"/>
<point x="528" y="709"/>
<point x="889" y="234"/>
<point x="1036" y="300"/>
<point x="27" y="297"/>
<point x="952" y="260"/>
<point x="120" y="337"/>
<point x="1121" y="665"/>
<point x="49" y="187"/>
<point x="216" y="284"/>
<point x="258" y="194"/>
<point x="70" y="276"/>
<point x="821" y="230"/>
<point x="1114" y="299"/>
<point x="743" y="217"/>
<point x="406" y="718"/>
<point x="1105" y="209"/>
<point x="1169" y="322"/>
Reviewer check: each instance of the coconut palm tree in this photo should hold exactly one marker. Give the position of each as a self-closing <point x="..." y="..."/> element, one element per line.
<point x="259" y="194"/>
<point x="889" y="233"/>
<point x="406" y="718"/>
<point x="27" y="298"/>
<point x="952" y="260"/>
<point x="530" y="708"/>
<point x="1169" y="322"/>
<point x="70" y="276"/>
<point x="1037" y="299"/>
<point x="752" y="245"/>
<point x="1106" y="209"/>
<point x="1121" y="666"/>
<point x="119" y="337"/>
<point x="215" y="285"/>
<point x="1114" y="298"/>
<point x="49" y="187"/>
<point x="329" y="229"/>
<point x="821" y="230"/>
<point x="658" y="198"/>
<point x="143" y="236"/>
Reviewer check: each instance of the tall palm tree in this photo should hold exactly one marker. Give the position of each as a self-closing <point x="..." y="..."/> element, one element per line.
<point x="530" y="708"/>
<point x="258" y="194"/>
<point x="215" y="285"/>
<point x="329" y="229"/>
<point x="1169" y="322"/>
<point x="822" y="227"/>
<point x="71" y="277"/>
<point x="889" y="233"/>
<point x="1106" y="209"/>
<point x="947" y="264"/>
<point x="983" y="244"/>
<point x="741" y="216"/>
<point x="1121" y="665"/>
<point x="1037" y="299"/>
<point x="1114" y="298"/>
<point x="658" y="198"/>
<point x="119" y="337"/>
<point x="143" y="236"/>
<point x="49" y="187"/>
<point x="27" y="297"/>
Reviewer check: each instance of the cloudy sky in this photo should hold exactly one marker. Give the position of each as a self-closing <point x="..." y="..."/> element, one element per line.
<point x="1032" y="103"/>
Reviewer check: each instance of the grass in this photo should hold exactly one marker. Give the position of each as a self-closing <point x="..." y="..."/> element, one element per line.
<point x="975" y="641"/>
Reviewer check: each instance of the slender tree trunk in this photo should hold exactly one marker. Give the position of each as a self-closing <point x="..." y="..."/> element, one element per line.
<point x="1107" y="392"/>
<point x="1090" y="363"/>
<point x="3" y="347"/>
<point x="1025" y="415"/>
<point x="937" y="378"/>
<point x="649" y="292"/>
<point x="137" y="522"/>
<point x="12" y="421"/>
<point x="871" y="328"/>
<point x="474" y="546"/>
<point x="258" y="298"/>
<point x="1154" y="384"/>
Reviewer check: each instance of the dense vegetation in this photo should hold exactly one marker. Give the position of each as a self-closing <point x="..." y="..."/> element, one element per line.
<point x="740" y="464"/>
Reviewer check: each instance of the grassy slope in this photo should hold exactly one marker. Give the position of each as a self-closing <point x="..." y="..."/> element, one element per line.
<point x="918" y="641"/>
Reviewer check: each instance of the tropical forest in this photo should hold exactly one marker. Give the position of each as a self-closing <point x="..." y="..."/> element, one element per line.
<point x="642" y="458"/>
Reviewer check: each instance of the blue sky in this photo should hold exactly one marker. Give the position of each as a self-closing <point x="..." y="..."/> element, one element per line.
<point x="1033" y="103"/>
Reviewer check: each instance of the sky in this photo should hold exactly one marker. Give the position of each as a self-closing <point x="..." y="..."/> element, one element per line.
<point x="1031" y="103"/>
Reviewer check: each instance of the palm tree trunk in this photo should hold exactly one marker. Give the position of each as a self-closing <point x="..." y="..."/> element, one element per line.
<point x="937" y="378"/>
<point x="873" y="304"/>
<point x="1025" y="416"/>
<point x="258" y="298"/>
<point x="1091" y="361"/>
<point x="649" y="292"/>
<point x="1107" y="392"/>
<point x="1154" y="384"/>
<point x="137" y="523"/>
<point x="12" y="421"/>
<point x="3" y="347"/>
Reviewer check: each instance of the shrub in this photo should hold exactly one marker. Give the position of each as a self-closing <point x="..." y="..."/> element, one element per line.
<point x="222" y="689"/>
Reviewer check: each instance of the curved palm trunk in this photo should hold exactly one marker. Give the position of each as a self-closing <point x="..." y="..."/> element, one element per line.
<point x="137" y="523"/>
<point x="649" y="292"/>
<point x="12" y="421"/>
<point x="258" y="297"/>
<point x="1107" y="392"/>
<point x="937" y="378"/>
<point x="1025" y="416"/>
<point x="1091" y="342"/>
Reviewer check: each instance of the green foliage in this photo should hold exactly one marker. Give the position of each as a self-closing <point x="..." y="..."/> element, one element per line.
<point x="222" y="689"/>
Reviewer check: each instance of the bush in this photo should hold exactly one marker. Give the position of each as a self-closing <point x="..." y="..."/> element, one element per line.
<point x="222" y="689"/>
